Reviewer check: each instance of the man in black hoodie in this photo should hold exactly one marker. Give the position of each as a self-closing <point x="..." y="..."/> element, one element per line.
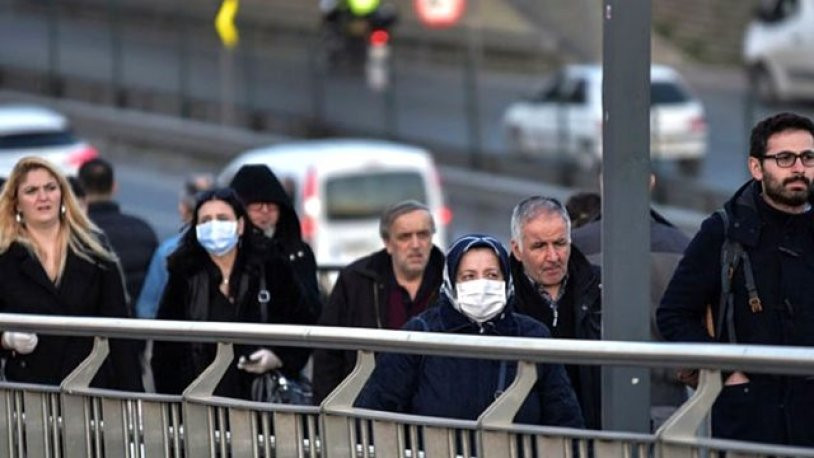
<point x="272" y="214"/>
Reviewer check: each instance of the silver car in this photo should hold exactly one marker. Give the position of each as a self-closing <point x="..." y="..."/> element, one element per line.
<point x="28" y="130"/>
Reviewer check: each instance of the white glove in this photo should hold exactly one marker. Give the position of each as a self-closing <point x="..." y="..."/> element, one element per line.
<point x="21" y="342"/>
<point x="260" y="361"/>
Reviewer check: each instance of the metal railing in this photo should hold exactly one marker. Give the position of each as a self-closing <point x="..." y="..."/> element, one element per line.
<point x="77" y="421"/>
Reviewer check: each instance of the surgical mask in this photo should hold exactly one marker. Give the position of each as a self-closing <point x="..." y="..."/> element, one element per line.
<point x="482" y="299"/>
<point x="217" y="237"/>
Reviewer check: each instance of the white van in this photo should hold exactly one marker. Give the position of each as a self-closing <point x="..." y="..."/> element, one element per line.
<point x="340" y="188"/>
<point x="778" y="49"/>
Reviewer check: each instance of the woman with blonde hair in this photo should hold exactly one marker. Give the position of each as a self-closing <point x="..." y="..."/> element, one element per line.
<point x="52" y="262"/>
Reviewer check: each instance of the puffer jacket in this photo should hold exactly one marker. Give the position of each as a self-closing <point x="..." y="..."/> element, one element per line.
<point x="463" y="388"/>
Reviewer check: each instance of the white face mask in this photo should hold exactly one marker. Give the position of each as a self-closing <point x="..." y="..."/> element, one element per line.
<point x="482" y="299"/>
<point x="217" y="237"/>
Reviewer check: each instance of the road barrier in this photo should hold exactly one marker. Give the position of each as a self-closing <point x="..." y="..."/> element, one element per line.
<point x="74" y="420"/>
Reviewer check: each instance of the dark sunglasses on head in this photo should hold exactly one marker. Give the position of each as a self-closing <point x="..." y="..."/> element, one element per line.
<point x="786" y="159"/>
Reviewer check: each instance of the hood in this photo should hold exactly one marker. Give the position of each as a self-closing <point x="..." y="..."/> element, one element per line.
<point x="257" y="183"/>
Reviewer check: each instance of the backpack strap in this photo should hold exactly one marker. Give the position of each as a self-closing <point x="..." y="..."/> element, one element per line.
<point x="733" y="254"/>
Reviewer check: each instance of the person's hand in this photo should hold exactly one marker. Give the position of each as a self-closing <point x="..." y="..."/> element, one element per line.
<point x="260" y="361"/>
<point x="736" y="378"/>
<point x="21" y="342"/>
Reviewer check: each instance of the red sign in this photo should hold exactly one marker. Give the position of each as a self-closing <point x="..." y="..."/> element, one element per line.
<point x="439" y="13"/>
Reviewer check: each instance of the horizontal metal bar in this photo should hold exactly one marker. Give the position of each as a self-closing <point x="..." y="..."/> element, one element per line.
<point x="754" y="358"/>
<point x="750" y="448"/>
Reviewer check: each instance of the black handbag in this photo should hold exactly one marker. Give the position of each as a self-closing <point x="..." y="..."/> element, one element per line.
<point x="273" y="386"/>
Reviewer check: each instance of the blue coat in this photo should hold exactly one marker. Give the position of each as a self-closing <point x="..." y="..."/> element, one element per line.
<point x="463" y="388"/>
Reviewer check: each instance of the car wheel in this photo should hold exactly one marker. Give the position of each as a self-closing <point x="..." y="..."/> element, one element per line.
<point x="763" y="85"/>
<point x="689" y="167"/>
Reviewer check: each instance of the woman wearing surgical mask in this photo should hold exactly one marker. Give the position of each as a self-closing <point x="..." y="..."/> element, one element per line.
<point x="475" y="299"/>
<point x="215" y="274"/>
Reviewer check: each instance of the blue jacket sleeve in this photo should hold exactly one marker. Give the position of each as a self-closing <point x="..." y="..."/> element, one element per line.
<point x="154" y="282"/>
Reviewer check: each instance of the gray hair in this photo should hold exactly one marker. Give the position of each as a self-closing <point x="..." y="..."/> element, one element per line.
<point x="534" y="206"/>
<point x="396" y="210"/>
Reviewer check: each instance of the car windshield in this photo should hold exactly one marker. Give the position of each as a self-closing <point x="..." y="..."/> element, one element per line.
<point x="36" y="139"/>
<point x="665" y="93"/>
<point x="368" y="195"/>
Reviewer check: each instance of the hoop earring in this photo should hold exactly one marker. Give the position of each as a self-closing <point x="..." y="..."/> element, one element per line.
<point x="62" y="209"/>
<point x="19" y="217"/>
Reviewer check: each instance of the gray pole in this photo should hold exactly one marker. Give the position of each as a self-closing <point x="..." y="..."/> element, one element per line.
<point x="625" y="206"/>
<point x="474" y="31"/>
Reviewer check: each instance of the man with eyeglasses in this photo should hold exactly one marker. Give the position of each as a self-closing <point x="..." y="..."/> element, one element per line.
<point x="772" y="303"/>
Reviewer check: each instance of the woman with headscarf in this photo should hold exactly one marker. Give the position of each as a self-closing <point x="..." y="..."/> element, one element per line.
<point x="216" y="274"/>
<point x="53" y="262"/>
<point x="475" y="299"/>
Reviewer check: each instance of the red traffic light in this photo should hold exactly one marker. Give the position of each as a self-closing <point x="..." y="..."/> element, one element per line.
<point x="379" y="37"/>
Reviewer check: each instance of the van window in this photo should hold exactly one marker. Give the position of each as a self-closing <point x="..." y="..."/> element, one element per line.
<point x="665" y="93"/>
<point x="36" y="139"/>
<point x="368" y="195"/>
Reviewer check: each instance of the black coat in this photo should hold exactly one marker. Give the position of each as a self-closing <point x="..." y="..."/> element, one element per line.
<point x="667" y="245"/>
<point x="359" y="299"/>
<point x="86" y="289"/>
<point x="780" y="247"/>
<point x="133" y="240"/>
<point x="192" y="286"/>
<point x="583" y="295"/>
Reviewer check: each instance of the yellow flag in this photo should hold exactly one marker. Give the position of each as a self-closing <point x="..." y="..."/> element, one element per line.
<point x="225" y="23"/>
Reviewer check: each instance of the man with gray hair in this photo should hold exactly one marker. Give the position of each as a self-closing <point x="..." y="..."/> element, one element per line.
<point x="383" y="289"/>
<point x="555" y="284"/>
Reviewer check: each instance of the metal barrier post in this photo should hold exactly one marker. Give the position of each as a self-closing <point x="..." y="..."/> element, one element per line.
<point x="199" y="421"/>
<point x="336" y="426"/>
<point x="500" y="414"/>
<point x="684" y="423"/>
<point x="77" y="431"/>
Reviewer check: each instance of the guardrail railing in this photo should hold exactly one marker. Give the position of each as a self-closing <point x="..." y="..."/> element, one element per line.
<point x="75" y="420"/>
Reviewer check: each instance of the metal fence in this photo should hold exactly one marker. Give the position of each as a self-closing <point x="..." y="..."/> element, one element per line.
<point x="74" y="420"/>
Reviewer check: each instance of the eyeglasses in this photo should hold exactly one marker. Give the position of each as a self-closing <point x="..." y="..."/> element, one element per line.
<point x="786" y="159"/>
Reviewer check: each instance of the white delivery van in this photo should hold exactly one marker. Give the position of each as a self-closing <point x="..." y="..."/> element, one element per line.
<point x="778" y="49"/>
<point x="340" y="187"/>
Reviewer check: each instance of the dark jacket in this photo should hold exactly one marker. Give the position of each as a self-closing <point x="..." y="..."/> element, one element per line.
<point x="780" y="247"/>
<point x="584" y="296"/>
<point x="133" y="240"/>
<point x="287" y="238"/>
<point x="667" y="245"/>
<point x="191" y="289"/>
<point x="86" y="289"/>
<point x="359" y="299"/>
<point x="442" y="386"/>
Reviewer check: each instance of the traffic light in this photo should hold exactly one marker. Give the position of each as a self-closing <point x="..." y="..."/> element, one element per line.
<point x="363" y="7"/>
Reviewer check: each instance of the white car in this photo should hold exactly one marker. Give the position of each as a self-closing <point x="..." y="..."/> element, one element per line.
<point x="27" y="130"/>
<point x="340" y="187"/>
<point x="565" y="119"/>
<point x="778" y="49"/>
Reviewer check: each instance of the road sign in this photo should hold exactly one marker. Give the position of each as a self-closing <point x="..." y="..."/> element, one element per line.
<point x="225" y="23"/>
<point x="439" y="13"/>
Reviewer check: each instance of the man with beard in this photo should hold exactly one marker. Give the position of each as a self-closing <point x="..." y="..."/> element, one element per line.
<point x="555" y="284"/>
<point x="771" y="218"/>
<point x="384" y="289"/>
